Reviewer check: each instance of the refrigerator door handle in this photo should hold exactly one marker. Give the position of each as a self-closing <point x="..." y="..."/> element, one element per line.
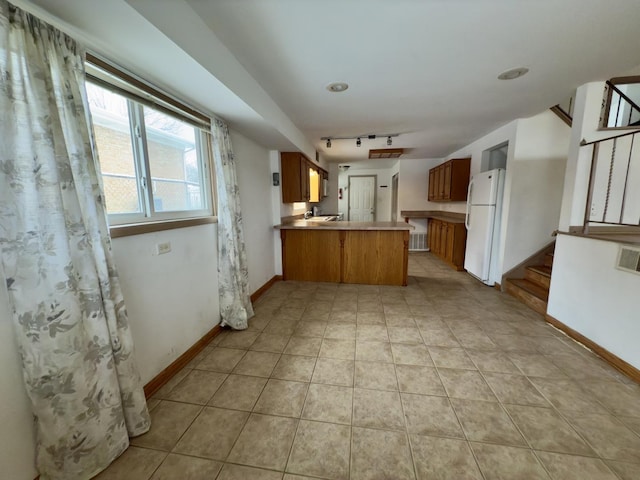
<point x="466" y="216"/>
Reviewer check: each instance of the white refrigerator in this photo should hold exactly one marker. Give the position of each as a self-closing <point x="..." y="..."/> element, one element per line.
<point x="484" y="209"/>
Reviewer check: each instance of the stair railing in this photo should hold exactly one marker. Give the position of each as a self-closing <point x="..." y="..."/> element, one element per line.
<point x="613" y="197"/>
<point x="564" y="110"/>
<point x="626" y="120"/>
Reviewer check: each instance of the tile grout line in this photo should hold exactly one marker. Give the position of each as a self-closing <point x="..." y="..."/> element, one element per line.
<point x="406" y="423"/>
<point x="464" y="433"/>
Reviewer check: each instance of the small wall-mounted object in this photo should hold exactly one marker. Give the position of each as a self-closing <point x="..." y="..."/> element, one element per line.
<point x="276" y="178"/>
<point x="629" y="259"/>
<point x="162" y="248"/>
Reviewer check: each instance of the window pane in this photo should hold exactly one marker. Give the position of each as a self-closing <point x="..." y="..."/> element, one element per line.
<point x="110" y="116"/>
<point x="174" y="163"/>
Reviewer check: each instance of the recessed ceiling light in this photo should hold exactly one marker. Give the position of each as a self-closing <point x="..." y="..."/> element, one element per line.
<point x="513" y="73"/>
<point x="337" y="87"/>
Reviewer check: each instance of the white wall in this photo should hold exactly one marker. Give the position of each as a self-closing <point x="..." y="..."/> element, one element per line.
<point x="591" y="296"/>
<point x="536" y="173"/>
<point x="276" y="206"/>
<point x="413" y="188"/>
<point x="254" y="179"/>
<point x="329" y="204"/>
<point x="172" y="299"/>
<point x="587" y="292"/>
<point x="383" y="191"/>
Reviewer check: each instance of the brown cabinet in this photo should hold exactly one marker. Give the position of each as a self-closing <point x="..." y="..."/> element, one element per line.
<point x="432" y="184"/>
<point x="322" y="254"/>
<point x="448" y="241"/>
<point x="449" y="182"/>
<point x="301" y="179"/>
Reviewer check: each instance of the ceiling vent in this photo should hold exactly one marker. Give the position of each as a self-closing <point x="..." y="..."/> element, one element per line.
<point x="386" y="153"/>
<point x="629" y="259"/>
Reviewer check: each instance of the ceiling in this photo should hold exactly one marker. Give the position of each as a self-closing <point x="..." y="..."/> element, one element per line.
<point x="426" y="69"/>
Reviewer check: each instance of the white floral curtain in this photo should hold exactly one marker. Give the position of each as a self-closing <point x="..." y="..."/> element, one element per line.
<point x="70" y="320"/>
<point x="233" y="274"/>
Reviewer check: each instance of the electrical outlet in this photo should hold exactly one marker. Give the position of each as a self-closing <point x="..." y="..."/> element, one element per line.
<point x="162" y="248"/>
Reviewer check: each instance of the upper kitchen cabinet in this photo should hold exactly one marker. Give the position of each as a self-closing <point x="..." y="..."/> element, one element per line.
<point x="449" y="181"/>
<point x="302" y="180"/>
<point x="294" y="168"/>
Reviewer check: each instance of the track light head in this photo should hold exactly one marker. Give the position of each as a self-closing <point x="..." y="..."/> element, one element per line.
<point x="358" y="139"/>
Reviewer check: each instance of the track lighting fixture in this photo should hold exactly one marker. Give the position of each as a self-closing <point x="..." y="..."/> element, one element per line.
<point x="358" y="138"/>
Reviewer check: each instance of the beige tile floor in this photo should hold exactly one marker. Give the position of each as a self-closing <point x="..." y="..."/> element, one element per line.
<point x="443" y="379"/>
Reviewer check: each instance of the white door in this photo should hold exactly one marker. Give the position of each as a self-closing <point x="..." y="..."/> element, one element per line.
<point x="362" y="193"/>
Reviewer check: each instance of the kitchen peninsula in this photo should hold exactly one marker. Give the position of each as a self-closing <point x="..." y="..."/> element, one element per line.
<point x="375" y="253"/>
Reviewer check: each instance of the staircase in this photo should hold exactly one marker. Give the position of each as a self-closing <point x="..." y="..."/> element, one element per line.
<point x="533" y="289"/>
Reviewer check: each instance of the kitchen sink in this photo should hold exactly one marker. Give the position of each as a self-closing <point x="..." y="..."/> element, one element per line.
<point x="323" y="218"/>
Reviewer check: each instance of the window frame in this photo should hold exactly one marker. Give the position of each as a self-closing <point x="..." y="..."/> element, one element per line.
<point x="139" y="95"/>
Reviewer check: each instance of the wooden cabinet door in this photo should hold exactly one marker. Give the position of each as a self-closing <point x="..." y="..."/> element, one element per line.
<point x="443" y="239"/>
<point x="430" y="228"/>
<point x="446" y="192"/>
<point x="449" y="242"/>
<point x="440" y="176"/>
<point x="459" y="243"/>
<point x="305" y="184"/>
<point x="290" y="176"/>
<point x="459" y="181"/>
<point x="432" y="185"/>
<point x="436" y="226"/>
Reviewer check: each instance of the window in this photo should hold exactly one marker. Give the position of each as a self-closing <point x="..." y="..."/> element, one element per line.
<point x="154" y="162"/>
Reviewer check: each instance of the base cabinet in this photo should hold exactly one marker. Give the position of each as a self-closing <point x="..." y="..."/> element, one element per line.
<point x="373" y="257"/>
<point x="448" y="241"/>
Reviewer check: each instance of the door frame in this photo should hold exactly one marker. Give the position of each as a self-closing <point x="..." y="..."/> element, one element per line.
<point x="394" y="197"/>
<point x="375" y="194"/>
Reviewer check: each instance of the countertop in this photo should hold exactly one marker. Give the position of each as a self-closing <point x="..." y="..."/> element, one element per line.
<point x="451" y="217"/>
<point x="308" y="225"/>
